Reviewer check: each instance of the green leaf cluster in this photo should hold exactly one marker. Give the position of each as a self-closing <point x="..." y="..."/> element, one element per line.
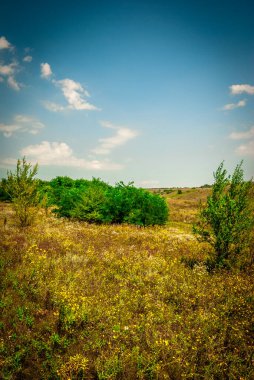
<point x="4" y="196"/>
<point x="22" y="188"/>
<point x="97" y="202"/>
<point x="226" y="220"/>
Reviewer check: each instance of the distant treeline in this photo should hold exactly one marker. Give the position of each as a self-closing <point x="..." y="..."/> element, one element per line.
<point x="95" y="201"/>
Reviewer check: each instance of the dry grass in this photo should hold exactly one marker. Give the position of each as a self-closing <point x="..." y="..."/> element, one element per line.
<point x="184" y="207"/>
<point x="82" y="301"/>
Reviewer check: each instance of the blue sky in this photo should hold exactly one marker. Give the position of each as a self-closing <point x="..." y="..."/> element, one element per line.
<point x="155" y="92"/>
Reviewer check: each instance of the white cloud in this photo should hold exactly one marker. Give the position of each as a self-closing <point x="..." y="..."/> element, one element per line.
<point x="29" y="122"/>
<point x="237" y="89"/>
<point x="74" y="93"/>
<point x="4" y="44"/>
<point x="7" y="70"/>
<point x="47" y="152"/>
<point x="242" y="135"/>
<point x="60" y="154"/>
<point x="22" y="123"/>
<point x="246" y="149"/>
<point x="13" y="83"/>
<point x="53" y="106"/>
<point x="46" y="71"/>
<point x="232" y="106"/>
<point x="8" y="130"/>
<point x="122" y="136"/>
<point x="28" y="58"/>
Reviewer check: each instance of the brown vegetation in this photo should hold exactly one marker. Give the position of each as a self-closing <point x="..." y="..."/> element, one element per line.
<point x="81" y="301"/>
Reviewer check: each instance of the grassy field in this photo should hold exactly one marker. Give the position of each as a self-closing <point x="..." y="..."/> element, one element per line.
<point x="82" y="301"/>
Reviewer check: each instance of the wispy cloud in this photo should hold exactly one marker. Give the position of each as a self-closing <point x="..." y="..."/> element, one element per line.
<point x="4" y="44"/>
<point x="29" y="121"/>
<point x="246" y="149"/>
<point x="8" y="71"/>
<point x="232" y="106"/>
<point x="74" y="93"/>
<point x="237" y="89"/>
<point x="51" y="106"/>
<point x="9" y="129"/>
<point x="242" y="135"/>
<point x="23" y="124"/>
<point x="13" y="83"/>
<point x="46" y="71"/>
<point x="121" y="137"/>
<point x="28" y="58"/>
<point x="59" y="154"/>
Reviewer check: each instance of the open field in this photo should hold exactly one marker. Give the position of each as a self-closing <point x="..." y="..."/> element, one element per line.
<point x="84" y="301"/>
<point x="184" y="206"/>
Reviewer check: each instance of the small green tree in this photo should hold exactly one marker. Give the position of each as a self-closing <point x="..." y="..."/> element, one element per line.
<point x="22" y="188"/>
<point x="226" y="220"/>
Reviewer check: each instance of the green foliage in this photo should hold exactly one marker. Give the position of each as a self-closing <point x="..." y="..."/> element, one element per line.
<point x="22" y="188"/>
<point x="144" y="208"/>
<point x="226" y="220"/>
<point x="67" y="202"/>
<point x="97" y="202"/>
<point x="4" y="196"/>
<point x="58" y="185"/>
<point x="89" y="205"/>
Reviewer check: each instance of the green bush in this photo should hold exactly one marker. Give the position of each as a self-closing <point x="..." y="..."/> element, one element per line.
<point x="226" y="220"/>
<point x="128" y="204"/>
<point x="4" y="196"/>
<point x="97" y="202"/>
<point x="59" y="186"/>
<point x="67" y="202"/>
<point x="88" y="206"/>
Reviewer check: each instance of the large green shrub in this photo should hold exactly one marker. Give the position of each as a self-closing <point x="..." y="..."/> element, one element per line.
<point x="97" y="202"/>
<point x="142" y="207"/>
<point x="59" y="186"/>
<point x="226" y="220"/>
<point x="67" y="202"/>
<point x="89" y="204"/>
<point x="121" y="200"/>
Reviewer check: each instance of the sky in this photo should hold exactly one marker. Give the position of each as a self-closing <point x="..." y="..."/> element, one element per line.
<point x="155" y="92"/>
